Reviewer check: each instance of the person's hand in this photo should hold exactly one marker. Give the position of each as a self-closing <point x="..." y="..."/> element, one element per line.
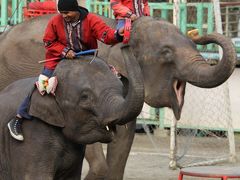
<point x="121" y="31"/>
<point x="70" y="54"/>
<point x="133" y="17"/>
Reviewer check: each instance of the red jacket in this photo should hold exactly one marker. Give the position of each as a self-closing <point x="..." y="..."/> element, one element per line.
<point x="92" y="29"/>
<point x="125" y="8"/>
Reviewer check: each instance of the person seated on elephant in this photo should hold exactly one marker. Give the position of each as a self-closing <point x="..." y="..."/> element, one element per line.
<point x="73" y="30"/>
<point x="132" y="9"/>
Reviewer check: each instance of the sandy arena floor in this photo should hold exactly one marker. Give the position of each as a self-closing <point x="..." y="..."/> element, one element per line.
<point x="149" y="162"/>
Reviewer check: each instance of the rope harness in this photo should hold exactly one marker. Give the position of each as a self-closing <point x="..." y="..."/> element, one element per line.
<point x="127" y="29"/>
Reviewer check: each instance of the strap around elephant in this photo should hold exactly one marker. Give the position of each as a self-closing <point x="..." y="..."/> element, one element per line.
<point x="127" y="29"/>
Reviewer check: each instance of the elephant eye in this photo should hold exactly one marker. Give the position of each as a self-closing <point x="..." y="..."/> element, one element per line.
<point x="84" y="97"/>
<point x="168" y="53"/>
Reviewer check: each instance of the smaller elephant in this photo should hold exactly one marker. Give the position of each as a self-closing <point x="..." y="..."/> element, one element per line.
<point x="89" y="102"/>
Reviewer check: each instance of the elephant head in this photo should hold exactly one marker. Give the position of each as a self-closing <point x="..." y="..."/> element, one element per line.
<point x="89" y="100"/>
<point x="168" y="59"/>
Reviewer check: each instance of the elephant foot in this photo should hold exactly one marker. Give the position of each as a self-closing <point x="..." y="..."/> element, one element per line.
<point x="93" y="176"/>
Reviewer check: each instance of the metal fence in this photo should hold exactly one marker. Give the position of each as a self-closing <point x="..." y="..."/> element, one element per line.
<point x="192" y="15"/>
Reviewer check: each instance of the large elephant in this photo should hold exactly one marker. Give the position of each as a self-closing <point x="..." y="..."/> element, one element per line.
<point x="88" y="104"/>
<point x="167" y="58"/>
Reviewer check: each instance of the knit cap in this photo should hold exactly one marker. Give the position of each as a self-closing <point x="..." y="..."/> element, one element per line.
<point x="68" y="5"/>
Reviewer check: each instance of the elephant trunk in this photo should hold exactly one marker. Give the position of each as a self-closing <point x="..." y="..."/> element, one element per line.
<point x="128" y="108"/>
<point x="207" y="76"/>
<point x="135" y="97"/>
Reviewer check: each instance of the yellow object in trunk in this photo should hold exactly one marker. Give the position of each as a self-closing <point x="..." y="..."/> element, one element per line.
<point x="193" y="33"/>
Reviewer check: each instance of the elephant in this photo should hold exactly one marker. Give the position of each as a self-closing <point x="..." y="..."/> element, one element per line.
<point x="167" y="58"/>
<point x="88" y="103"/>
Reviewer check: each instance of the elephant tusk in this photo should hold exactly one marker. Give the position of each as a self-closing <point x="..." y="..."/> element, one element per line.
<point x="107" y="128"/>
<point x="126" y="126"/>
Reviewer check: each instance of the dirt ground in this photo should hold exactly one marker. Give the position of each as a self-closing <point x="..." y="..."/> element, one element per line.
<point x="149" y="161"/>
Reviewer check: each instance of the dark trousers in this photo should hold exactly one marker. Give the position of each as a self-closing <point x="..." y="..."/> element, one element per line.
<point x="24" y="107"/>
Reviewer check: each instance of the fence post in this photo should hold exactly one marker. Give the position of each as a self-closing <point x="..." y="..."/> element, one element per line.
<point x="14" y="12"/>
<point x="210" y="23"/>
<point x="4" y="13"/>
<point x="88" y="5"/>
<point x="176" y="12"/>
<point x="173" y="128"/>
<point x="183" y="17"/>
<point x="20" y="10"/>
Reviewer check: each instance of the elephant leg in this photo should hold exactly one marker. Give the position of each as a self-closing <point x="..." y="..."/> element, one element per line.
<point x="40" y="177"/>
<point x="97" y="162"/>
<point x="118" y="151"/>
<point x="33" y="175"/>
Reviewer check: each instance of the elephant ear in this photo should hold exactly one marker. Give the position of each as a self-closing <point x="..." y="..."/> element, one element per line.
<point x="46" y="108"/>
<point x="116" y="59"/>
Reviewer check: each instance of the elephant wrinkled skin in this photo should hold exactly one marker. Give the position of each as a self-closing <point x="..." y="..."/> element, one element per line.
<point x="167" y="58"/>
<point x="89" y="97"/>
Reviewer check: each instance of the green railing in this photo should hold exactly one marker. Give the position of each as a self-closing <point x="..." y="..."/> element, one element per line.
<point x="165" y="11"/>
<point x="192" y="15"/>
<point x="12" y="12"/>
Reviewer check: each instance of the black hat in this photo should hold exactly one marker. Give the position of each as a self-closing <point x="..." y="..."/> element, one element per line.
<point x="68" y="5"/>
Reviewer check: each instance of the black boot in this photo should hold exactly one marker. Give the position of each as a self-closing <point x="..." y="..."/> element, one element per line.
<point x="15" y="128"/>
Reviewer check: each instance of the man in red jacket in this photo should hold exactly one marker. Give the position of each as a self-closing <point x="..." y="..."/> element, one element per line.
<point x="132" y="9"/>
<point x="71" y="31"/>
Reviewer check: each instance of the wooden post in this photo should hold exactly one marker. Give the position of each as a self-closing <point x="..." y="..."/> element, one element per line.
<point x="173" y="128"/>
<point x="173" y="144"/>
<point x="218" y="18"/>
<point x="176" y="13"/>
